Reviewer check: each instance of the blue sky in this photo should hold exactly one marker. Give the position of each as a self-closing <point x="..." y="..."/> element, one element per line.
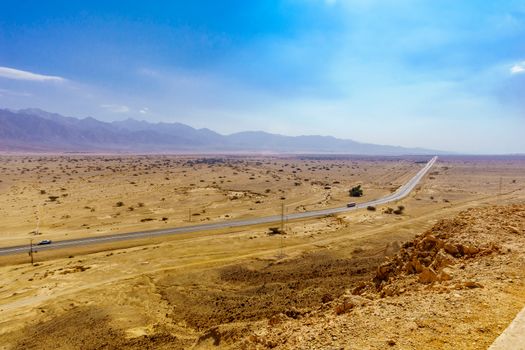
<point x="446" y="74"/>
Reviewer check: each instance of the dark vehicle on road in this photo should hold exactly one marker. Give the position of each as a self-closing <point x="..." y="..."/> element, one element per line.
<point x="45" y="241"/>
<point x="351" y="204"/>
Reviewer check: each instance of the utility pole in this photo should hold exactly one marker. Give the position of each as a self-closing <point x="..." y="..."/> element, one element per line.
<point x="31" y="250"/>
<point x="281" y="240"/>
<point x="282" y="217"/>
<point x="38" y="214"/>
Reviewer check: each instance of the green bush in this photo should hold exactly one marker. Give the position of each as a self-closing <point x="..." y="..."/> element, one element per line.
<point x="356" y="191"/>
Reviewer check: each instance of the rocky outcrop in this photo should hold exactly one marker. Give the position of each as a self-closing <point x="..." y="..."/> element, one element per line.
<point x="432" y="255"/>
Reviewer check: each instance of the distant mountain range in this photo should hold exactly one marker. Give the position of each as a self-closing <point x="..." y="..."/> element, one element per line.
<point x="35" y="130"/>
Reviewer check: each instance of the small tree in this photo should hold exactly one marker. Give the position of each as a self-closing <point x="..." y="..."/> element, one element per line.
<point x="356" y="191"/>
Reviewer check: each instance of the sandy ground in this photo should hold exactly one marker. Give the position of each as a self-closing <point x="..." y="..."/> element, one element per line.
<point x="68" y="197"/>
<point x="246" y="289"/>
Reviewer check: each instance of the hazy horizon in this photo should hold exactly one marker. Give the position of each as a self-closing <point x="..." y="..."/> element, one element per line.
<point x="446" y="76"/>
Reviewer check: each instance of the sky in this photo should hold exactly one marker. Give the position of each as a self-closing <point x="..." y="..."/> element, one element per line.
<point x="446" y="75"/>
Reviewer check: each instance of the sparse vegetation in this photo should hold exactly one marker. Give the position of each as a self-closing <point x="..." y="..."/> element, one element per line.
<point x="275" y="231"/>
<point x="399" y="210"/>
<point x="304" y="279"/>
<point x="53" y="198"/>
<point x="356" y="191"/>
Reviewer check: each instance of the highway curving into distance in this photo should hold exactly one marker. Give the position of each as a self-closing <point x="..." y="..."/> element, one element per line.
<point x="400" y="193"/>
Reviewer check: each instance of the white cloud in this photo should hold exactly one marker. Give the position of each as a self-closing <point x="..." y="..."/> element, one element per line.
<point x="113" y="108"/>
<point x="518" y="68"/>
<point x="144" y="110"/>
<point x="16" y="74"/>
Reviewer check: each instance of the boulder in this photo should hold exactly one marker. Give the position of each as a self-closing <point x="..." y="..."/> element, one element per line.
<point x="470" y="250"/>
<point x="441" y="260"/>
<point x="451" y="249"/>
<point x="445" y="274"/>
<point x="428" y="275"/>
<point x="471" y="284"/>
<point x="383" y="271"/>
<point x="430" y="243"/>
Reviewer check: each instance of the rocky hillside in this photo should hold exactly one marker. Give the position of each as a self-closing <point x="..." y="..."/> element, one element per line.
<point x="457" y="285"/>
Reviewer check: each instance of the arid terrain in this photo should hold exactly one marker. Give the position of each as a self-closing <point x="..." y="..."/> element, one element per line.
<point x="446" y="272"/>
<point x="83" y="196"/>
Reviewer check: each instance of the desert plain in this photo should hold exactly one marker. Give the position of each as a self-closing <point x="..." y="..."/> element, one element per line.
<point x="341" y="281"/>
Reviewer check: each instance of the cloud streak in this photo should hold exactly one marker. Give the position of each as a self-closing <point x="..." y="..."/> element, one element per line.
<point x="113" y="108"/>
<point x="518" y="68"/>
<point x="17" y="74"/>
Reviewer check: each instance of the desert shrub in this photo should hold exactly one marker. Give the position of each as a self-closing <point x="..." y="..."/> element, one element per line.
<point x="399" y="210"/>
<point x="53" y="198"/>
<point x="371" y="208"/>
<point x="356" y="191"/>
<point x="389" y="210"/>
<point x="119" y="204"/>
<point x="275" y="231"/>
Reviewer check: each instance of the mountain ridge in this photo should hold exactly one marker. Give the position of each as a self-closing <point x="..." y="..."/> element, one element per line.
<point x="33" y="129"/>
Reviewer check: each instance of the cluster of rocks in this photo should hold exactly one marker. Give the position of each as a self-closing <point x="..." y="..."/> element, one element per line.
<point x="429" y="256"/>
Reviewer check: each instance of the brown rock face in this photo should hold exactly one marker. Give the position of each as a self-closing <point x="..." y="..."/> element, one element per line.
<point x="431" y="253"/>
<point x="344" y="307"/>
<point x="470" y="250"/>
<point x="428" y="275"/>
<point x="383" y="272"/>
<point x="441" y="260"/>
<point x="445" y="274"/>
<point x="471" y="285"/>
<point x="451" y="249"/>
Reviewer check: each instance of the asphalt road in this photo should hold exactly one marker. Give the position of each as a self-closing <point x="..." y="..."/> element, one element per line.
<point x="401" y="192"/>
